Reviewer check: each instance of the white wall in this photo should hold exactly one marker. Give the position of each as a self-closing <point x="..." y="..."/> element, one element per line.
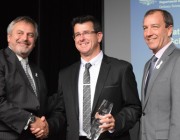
<point x="117" y="29"/>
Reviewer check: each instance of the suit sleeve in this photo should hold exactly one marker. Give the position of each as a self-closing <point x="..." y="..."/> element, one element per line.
<point x="11" y="115"/>
<point x="131" y="112"/>
<point x="175" y="102"/>
<point x="57" y="119"/>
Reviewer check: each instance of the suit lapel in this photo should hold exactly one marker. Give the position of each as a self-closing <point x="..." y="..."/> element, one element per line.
<point x="35" y="77"/>
<point x="12" y="58"/>
<point x="143" y="80"/>
<point x="22" y="72"/>
<point x="74" y="85"/>
<point x="103" y="73"/>
<point x="162" y="61"/>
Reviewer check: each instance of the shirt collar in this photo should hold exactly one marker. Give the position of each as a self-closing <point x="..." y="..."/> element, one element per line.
<point x="19" y="57"/>
<point x="93" y="61"/>
<point x="162" y="50"/>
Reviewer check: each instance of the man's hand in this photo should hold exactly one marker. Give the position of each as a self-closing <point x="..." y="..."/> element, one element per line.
<point x="40" y="128"/>
<point x="107" y="121"/>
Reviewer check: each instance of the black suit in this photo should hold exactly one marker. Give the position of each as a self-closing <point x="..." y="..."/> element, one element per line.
<point x="17" y="98"/>
<point x="116" y="83"/>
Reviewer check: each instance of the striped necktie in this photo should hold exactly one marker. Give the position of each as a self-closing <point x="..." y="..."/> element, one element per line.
<point x="86" y="99"/>
<point x="26" y="68"/>
<point x="151" y="68"/>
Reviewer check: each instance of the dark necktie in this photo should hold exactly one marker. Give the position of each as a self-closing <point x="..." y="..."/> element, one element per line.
<point x="26" y="67"/>
<point x="86" y="99"/>
<point x="151" y="68"/>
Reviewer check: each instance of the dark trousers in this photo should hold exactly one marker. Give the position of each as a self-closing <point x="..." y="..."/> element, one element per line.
<point x="83" y="138"/>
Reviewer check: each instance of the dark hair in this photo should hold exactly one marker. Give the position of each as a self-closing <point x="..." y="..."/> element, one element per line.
<point x="168" y="19"/>
<point x="87" y="18"/>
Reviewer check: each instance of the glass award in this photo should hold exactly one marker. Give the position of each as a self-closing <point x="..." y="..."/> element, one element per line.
<point x="95" y="131"/>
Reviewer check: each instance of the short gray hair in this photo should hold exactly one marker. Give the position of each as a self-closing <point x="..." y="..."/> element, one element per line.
<point x="25" y="19"/>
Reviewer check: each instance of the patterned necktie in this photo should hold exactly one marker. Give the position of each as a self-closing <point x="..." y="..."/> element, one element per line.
<point x="86" y="99"/>
<point x="26" y="67"/>
<point x="151" y="67"/>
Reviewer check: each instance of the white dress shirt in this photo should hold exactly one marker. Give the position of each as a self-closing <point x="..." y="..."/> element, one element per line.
<point x="94" y="72"/>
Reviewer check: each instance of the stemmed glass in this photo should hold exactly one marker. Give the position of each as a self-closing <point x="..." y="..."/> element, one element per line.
<point x="95" y="131"/>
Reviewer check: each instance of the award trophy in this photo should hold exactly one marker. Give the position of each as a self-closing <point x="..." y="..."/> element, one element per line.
<point x="95" y="131"/>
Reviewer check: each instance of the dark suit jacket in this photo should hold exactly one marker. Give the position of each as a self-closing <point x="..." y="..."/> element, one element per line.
<point x="116" y="83"/>
<point x="17" y="99"/>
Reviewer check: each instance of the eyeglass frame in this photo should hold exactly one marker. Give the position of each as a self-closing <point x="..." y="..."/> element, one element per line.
<point x="84" y="33"/>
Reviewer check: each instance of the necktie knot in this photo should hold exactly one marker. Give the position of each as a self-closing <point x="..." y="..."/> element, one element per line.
<point x="88" y="65"/>
<point x="153" y="61"/>
<point x="86" y="77"/>
<point x="24" y="63"/>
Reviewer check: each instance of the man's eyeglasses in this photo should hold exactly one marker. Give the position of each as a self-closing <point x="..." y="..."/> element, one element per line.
<point x="84" y="34"/>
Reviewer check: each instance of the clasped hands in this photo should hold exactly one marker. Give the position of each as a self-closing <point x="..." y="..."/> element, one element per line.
<point x="40" y="128"/>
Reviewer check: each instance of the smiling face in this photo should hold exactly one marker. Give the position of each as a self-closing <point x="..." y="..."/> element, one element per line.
<point x="156" y="34"/>
<point x="87" y="41"/>
<point x="21" y="39"/>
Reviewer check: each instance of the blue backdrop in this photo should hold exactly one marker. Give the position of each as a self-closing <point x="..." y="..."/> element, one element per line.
<point x="140" y="52"/>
